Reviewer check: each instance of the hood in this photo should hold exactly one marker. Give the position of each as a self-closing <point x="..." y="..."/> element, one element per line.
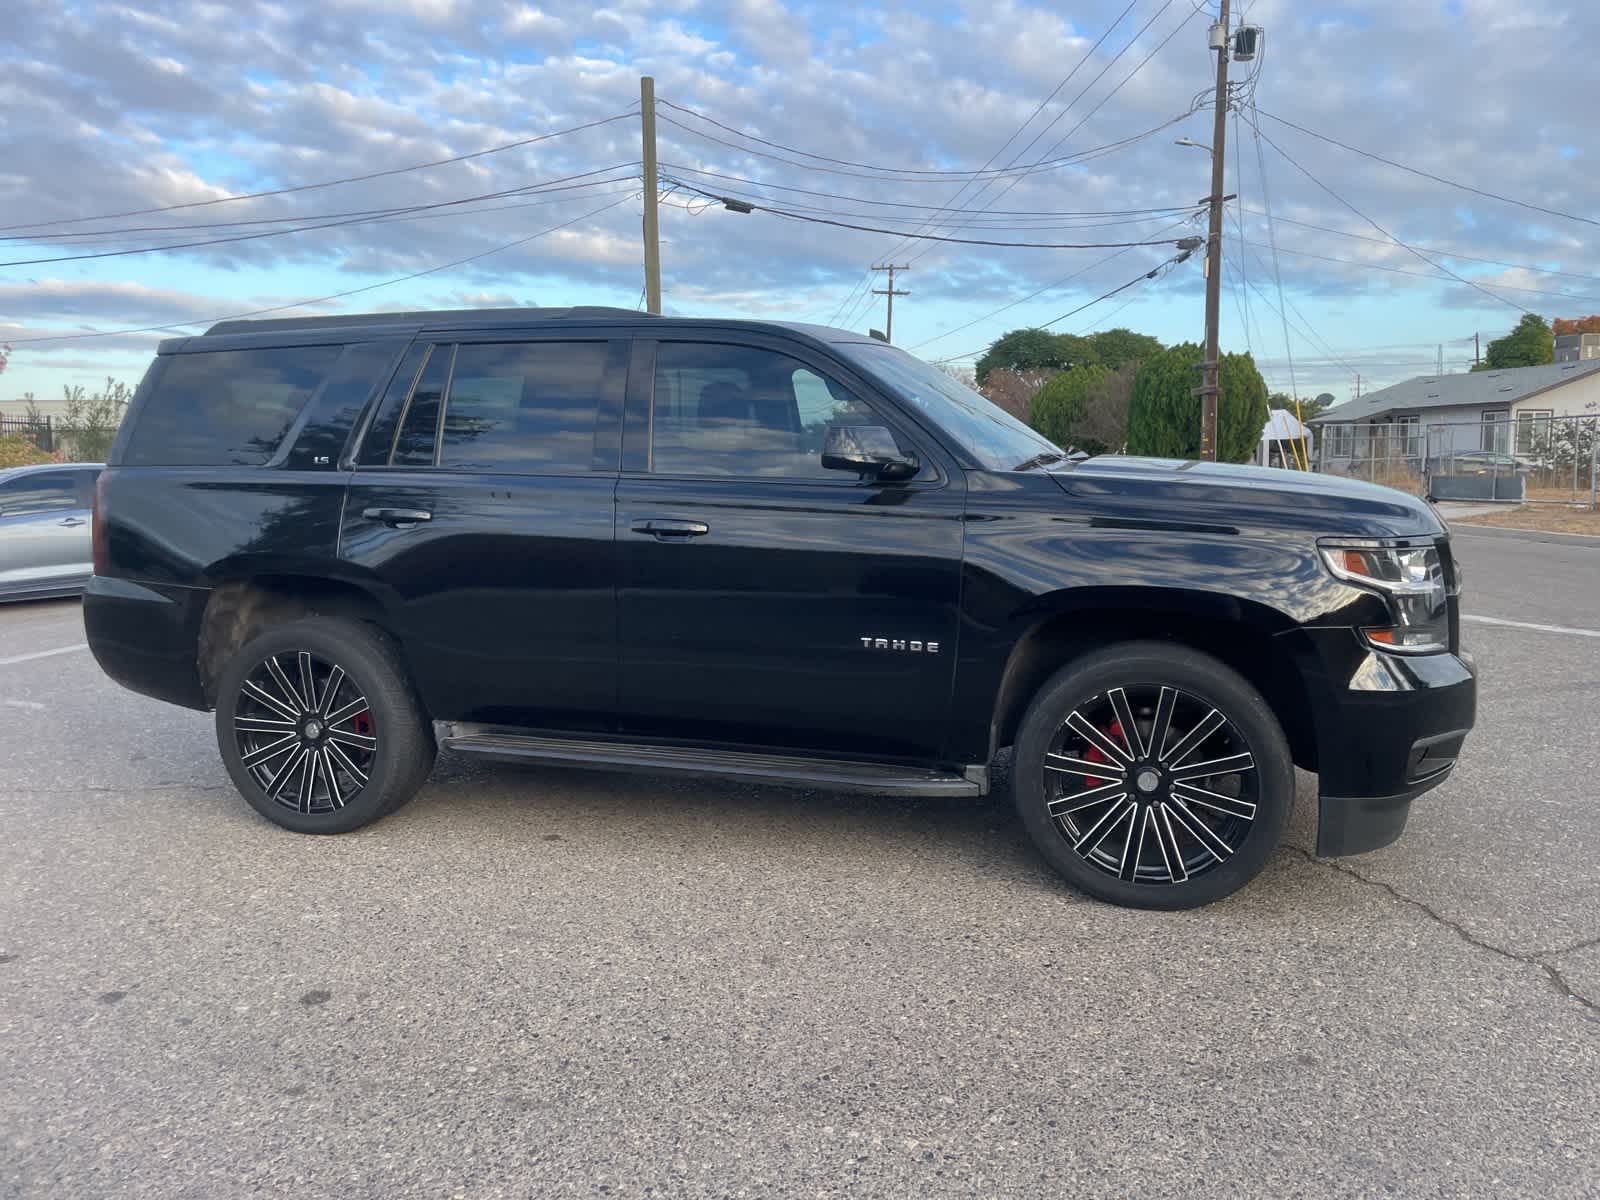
<point x="1172" y="490"/>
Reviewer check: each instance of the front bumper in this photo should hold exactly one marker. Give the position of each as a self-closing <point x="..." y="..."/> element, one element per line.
<point x="1388" y="728"/>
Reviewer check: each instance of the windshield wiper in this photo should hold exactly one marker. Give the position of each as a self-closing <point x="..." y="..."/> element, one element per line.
<point x="1043" y="459"/>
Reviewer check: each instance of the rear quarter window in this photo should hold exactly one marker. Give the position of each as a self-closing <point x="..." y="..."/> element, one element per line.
<point x="226" y="407"/>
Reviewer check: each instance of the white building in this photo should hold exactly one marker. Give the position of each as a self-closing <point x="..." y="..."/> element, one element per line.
<point x="1500" y="411"/>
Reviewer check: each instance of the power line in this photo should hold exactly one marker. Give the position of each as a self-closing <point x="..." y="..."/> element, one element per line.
<point x="172" y="325"/>
<point x="1506" y="287"/>
<point x="1465" y="187"/>
<point x="925" y="226"/>
<point x="980" y="221"/>
<point x="815" y="220"/>
<point x="266" y="233"/>
<point x="897" y="174"/>
<point x="1011" y="183"/>
<point x="1277" y="270"/>
<point x="1066" y="79"/>
<point x="1150" y="274"/>
<point x="1440" y="250"/>
<point x="306" y="187"/>
<point x="1035" y="294"/>
<point x="376" y="214"/>
<point x="1403" y="245"/>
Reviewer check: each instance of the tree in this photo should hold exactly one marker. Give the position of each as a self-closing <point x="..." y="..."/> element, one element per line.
<point x="1530" y="344"/>
<point x="90" y="422"/>
<point x="1103" y="427"/>
<point x="1164" y="418"/>
<point x="1012" y="390"/>
<point x="1115" y="347"/>
<point x="31" y="411"/>
<point x="1086" y="408"/>
<point x="1059" y="405"/>
<point x="1034" y="350"/>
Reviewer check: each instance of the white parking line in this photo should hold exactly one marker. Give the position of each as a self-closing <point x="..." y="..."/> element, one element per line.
<point x="22" y="658"/>
<point x="1567" y="629"/>
<point x="22" y="704"/>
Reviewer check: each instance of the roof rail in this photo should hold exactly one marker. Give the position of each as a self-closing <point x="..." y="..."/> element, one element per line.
<point x="486" y="316"/>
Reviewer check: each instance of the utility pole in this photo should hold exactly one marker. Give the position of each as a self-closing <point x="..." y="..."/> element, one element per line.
<point x="888" y="329"/>
<point x="1358" y="387"/>
<point x="1476" y="351"/>
<point x="1207" y="391"/>
<point x="652" y="216"/>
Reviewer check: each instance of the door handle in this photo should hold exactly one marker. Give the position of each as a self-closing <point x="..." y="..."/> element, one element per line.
<point x="71" y="522"/>
<point x="672" y="531"/>
<point x="395" y="517"/>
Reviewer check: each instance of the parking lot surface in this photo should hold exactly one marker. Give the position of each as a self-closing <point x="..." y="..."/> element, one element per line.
<point x="539" y="982"/>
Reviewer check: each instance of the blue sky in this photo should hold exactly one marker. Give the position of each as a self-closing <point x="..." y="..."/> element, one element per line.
<point x="114" y="107"/>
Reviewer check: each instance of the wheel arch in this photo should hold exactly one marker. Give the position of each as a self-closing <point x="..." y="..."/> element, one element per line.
<point x="1243" y="634"/>
<point x="241" y="606"/>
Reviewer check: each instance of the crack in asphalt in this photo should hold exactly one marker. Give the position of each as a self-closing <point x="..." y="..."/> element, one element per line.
<point x="1560" y="951"/>
<point x="1534" y="959"/>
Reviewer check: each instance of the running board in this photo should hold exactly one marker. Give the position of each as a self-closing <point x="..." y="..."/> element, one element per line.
<point x="487" y="741"/>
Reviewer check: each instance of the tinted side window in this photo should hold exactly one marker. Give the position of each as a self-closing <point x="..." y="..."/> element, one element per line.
<point x="379" y="441"/>
<point x="527" y="406"/>
<point x="227" y="406"/>
<point x="47" y="491"/>
<point x="736" y="410"/>
<point x="419" y="428"/>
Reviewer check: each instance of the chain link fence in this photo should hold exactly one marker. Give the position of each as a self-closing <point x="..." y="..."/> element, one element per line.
<point x="1531" y="458"/>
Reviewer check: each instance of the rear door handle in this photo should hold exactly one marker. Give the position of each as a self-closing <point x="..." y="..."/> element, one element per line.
<point x="672" y="531"/>
<point x="71" y="522"/>
<point x="394" y="517"/>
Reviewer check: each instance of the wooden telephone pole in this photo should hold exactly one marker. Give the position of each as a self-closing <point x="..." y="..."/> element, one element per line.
<point x="652" y="216"/>
<point x="1207" y="391"/>
<point x="888" y="331"/>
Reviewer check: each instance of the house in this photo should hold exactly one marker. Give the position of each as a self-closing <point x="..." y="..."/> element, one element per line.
<point x="1434" y="415"/>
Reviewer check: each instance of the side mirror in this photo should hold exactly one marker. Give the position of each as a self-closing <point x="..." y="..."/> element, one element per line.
<point x="868" y="450"/>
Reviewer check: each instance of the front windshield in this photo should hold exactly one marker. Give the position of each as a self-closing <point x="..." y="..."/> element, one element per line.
<point x="991" y="435"/>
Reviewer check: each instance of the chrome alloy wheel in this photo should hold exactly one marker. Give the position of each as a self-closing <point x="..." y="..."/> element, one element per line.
<point x="304" y="732"/>
<point x="1151" y="784"/>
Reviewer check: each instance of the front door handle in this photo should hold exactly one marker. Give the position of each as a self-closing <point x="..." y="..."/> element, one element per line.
<point x="71" y="522"/>
<point x="395" y="517"/>
<point x="672" y="531"/>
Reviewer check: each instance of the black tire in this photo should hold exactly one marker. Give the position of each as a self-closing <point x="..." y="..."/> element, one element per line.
<point x="370" y="700"/>
<point x="1244" y="810"/>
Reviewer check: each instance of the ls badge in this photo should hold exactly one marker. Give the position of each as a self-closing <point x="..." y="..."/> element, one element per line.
<point x="906" y="644"/>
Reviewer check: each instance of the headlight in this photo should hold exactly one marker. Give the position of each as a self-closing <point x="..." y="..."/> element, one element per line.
<point x="1412" y="582"/>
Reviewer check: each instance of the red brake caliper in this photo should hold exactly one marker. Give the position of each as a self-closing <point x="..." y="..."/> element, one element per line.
<point x="363" y="722"/>
<point x="1092" y="753"/>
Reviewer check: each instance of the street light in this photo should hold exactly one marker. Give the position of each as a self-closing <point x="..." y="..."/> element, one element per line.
<point x="1183" y="141"/>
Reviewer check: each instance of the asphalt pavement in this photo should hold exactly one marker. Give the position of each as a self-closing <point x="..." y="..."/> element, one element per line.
<point x="534" y="982"/>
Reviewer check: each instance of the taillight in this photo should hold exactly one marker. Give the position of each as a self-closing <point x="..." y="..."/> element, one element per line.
<point x="97" y="527"/>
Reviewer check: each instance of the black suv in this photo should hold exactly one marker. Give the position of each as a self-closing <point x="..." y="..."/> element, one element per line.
<point x="774" y="552"/>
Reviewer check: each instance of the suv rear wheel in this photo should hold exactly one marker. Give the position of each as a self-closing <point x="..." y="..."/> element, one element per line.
<point x="318" y="725"/>
<point x="1153" y="776"/>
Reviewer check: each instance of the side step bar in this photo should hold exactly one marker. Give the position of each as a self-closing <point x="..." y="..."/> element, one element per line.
<point x="487" y="741"/>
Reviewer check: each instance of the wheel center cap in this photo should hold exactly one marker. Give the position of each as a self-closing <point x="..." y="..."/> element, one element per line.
<point x="314" y="730"/>
<point x="1147" y="780"/>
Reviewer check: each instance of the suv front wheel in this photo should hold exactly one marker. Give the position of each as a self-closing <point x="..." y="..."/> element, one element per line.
<point x="319" y="727"/>
<point x="1152" y="775"/>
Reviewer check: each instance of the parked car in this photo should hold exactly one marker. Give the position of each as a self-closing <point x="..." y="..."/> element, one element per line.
<point x="1479" y="462"/>
<point x="768" y="552"/>
<point x="45" y="518"/>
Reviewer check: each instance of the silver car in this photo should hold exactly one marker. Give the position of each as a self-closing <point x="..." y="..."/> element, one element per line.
<point x="45" y="530"/>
